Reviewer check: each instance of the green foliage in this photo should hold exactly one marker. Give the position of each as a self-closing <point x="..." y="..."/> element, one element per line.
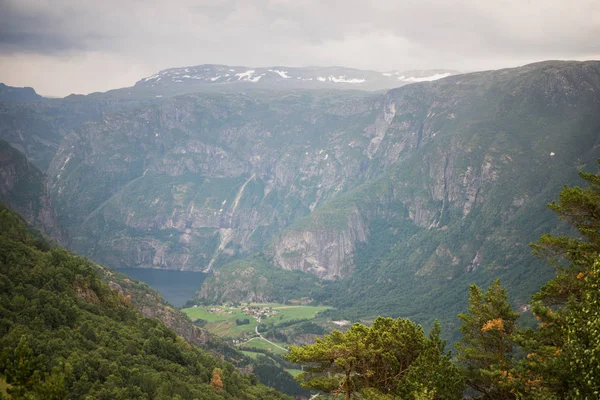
<point x="66" y="334"/>
<point x="385" y="359"/>
<point x="433" y="375"/>
<point x="563" y="353"/>
<point x="487" y="344"/>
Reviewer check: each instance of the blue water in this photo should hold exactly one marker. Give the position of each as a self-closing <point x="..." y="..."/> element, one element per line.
<point x="176" y="287"/>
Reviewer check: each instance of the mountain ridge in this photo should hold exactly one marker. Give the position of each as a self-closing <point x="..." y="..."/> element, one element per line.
<point x="289" y="77"/>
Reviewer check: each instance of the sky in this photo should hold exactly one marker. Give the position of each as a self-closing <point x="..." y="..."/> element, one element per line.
<point x="82" y="46"/>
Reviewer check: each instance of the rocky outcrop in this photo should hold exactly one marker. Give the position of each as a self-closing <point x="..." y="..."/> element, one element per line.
<point x="324" y="249"/>
<point x="243" y="284"/>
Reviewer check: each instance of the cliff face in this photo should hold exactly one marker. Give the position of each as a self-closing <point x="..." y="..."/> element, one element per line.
<point x="22" y="187"/>
<point x="469" y="157"/>
<point x="323" y="249"/>
<point x="199" y="180"/>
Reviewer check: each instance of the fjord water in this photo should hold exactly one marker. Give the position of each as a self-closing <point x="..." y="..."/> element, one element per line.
<point x="176" y="287"/>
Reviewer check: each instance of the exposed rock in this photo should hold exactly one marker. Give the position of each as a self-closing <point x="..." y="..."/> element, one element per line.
<point x="22" y="187"/>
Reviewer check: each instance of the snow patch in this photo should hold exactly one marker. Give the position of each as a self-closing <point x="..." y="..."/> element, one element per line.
<point x="282" y="74"/>
<point x="342" y="79"/>
<point x="428" y="78"/>
<point x="150" y="78"/>
<point x="245" y="76"/>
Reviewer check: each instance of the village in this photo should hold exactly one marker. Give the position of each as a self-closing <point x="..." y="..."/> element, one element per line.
<point x="257" y="311"/>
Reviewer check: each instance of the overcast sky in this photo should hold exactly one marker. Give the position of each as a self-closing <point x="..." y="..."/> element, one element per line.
<point x="80" y="46"/>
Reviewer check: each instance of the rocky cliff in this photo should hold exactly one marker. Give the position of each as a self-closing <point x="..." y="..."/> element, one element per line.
<point x="22" y="187"/>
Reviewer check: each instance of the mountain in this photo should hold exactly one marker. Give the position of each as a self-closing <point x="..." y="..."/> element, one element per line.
<point x="10" y="93"/>
<point x="209" y="77"/>
<point x="65" y="334"/>
<point x="457" y="176"/>
<point x="22" y="187"/>
<point x="374" y="202"/>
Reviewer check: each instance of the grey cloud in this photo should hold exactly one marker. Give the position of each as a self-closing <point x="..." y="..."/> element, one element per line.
<point x="376" y="34"/>
<point x="479" y="26"/>
<point x="50" y="27"/>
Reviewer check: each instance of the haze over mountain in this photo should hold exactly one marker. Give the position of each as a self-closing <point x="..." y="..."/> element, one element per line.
<point x="417" y="191"/>
<point x="198" y="78"/>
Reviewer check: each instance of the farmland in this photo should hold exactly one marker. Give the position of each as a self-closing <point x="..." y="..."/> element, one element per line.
<point x="260" y="326"/>
<point x="228" y="321"/>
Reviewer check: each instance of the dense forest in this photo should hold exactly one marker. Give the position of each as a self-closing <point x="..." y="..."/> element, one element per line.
<point x="496" y="358"/>
<point x="64" y="334"/>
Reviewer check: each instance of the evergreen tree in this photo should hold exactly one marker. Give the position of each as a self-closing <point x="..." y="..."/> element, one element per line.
<point x="433" y="375"/>
<point x="563" y="354"/>
<point x="333" y="363"/>
<point x="486" y="348"/>
<point x="390" y="358"/>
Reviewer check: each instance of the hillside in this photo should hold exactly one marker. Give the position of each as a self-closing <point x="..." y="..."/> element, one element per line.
<point x="23" y="189"/>
<point x="66" y="334"/>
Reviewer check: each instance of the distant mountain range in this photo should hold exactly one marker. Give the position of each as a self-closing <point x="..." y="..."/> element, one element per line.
<point x="288" y="77"/>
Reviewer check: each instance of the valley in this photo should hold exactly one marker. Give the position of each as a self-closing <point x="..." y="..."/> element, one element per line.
<point x="241" y="323"/>
<point x="261" y="219"/>
<point x="369" y="202"/>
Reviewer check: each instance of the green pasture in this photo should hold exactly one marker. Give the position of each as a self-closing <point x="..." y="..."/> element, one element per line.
<point x="222" y="323"/>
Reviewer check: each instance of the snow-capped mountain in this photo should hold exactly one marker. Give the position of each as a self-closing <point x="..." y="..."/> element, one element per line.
<point x="288" y="77"/>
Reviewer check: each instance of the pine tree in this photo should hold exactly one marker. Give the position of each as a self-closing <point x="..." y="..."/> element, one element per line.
<point x="371" y="360"/>
<point x="563" y="354"/>
<point x="486" y="348"/>
<point x="433" y="375"/>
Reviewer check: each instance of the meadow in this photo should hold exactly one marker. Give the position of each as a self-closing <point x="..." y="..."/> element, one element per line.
<point x="221" y="320"/>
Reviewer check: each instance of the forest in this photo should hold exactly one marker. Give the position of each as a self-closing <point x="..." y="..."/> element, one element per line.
<point x="64" y="334"/>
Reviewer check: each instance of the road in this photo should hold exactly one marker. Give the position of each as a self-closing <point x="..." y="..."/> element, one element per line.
<point x="267" y="340"/>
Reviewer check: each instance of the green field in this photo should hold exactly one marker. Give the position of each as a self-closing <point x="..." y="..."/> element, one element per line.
<point x="291" y="312"/>
<point x="258" y="343"/>
<point x="251" y="354"/>
<point x="293" y="372"/>
<point x="221" y="321"/>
